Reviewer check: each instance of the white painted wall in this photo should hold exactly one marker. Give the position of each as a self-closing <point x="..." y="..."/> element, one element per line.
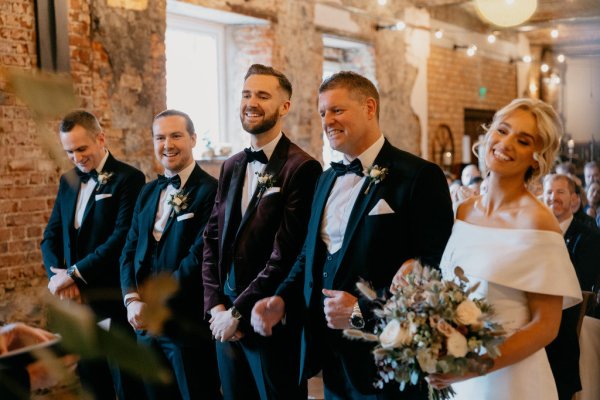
<point x="581" y="99"/>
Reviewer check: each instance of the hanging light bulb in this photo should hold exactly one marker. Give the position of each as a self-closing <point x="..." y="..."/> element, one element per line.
<point x="506" y="12"/>
<point x="382" y="2"/>
<point x="471" y="50"/>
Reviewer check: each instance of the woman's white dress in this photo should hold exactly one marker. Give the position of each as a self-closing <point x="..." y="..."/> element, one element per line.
<point x="508" y="263"/>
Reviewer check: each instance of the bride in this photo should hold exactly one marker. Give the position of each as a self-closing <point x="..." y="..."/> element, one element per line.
<point x="512" y="243"/>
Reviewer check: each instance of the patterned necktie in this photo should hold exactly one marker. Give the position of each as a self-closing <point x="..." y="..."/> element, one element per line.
<point x="259" y="156"/>
<point x="174" y="181"/>
<point x="86" y="176"/>
<point x="342" y="169"/>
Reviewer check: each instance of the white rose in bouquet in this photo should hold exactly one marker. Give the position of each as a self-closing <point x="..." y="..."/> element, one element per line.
<point x="395" y="335"/>
<point x="457" y="344"/>
<point x="467" y="313"/>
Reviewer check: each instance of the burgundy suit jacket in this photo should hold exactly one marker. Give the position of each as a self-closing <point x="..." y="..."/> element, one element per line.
<point x="263" y="243"/>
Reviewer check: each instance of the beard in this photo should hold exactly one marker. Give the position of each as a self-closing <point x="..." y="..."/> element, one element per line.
<point x="267" y="123"/>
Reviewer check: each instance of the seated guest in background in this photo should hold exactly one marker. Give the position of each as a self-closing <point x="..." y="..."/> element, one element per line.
<point x="580" y="204"/>
<point x="565" y="168"/>
<point x="591" y="173"/>
<point x="252" y="239"/>
<point x="166" y="237"/>
<point x="593" y="198"/>
<point x="583" y="244"/>
<point x="475" y="185"/>
<point x="468" y="173"/>
<point x="84" y="237"/>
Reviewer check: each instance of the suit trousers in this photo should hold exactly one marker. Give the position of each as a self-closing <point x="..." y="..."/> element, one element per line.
<point x="266" y="368"/>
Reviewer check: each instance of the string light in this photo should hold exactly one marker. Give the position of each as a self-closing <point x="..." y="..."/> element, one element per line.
<point x="560" y="58"/>
<point x="382" y="2"/>
<point x="526" y="59"/>
<point x="471" y="50"/>
<point x="439" y="34"/>
<point x="544" y="68"/>
<point x="491" y="38"/>
<point x="554" y="33"/>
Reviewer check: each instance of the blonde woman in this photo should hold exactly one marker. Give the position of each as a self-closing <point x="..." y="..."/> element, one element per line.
<point x="510" y="242"/>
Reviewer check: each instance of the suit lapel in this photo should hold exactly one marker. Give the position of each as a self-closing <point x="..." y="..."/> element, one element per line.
<point x="70" y="200"/>
<point x="273" y="167"/>
<point x="148" y="214"/>
<point x="189" y="187"/>
<point x="233" y="201"/>
<point x="109" y="166"/>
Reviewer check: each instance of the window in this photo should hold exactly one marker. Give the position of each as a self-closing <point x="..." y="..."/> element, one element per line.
<point x="195" y="75"/>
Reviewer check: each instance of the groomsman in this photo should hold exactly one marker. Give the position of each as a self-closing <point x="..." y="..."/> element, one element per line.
<point x="166" y="238"/>
<point x="85" y="235"/>
<point x="583" y="244"/>
<point x="377" y="209"/>
<point x="252" y="239"/>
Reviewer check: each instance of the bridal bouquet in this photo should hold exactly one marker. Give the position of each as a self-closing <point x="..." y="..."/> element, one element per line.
<point x="431" y="326"/>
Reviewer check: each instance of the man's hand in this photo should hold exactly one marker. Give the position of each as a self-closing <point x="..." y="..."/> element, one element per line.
<point x="338" y="308"/>
<point x="223" y="326"/>
<point x="59" y="281"/>
<point x="70" y="293"/>
<point x="399" y="279"/>
<point x="266" y="314"/>
<point x="135" y="314"/>
<point x="16" y="335"/>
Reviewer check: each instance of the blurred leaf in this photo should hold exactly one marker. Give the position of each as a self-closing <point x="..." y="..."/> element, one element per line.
<point x="156" y="293"/>
<point x="47" y="95"/>
<point x="81" y="335"/>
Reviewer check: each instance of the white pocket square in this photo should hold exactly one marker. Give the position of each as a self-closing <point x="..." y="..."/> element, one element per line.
<point x="103" y="196"/>
<point x="272" y="190"/>
<point x="185" y="216"/>
<point x="382" y="207"/>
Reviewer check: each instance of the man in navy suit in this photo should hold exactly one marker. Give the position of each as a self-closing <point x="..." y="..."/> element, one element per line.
<point x="166" y="238"/>
<point x="252" y="239"/>
<point x="85" y="235"/>
<point x="371" y="213"/>
<point x="583" y="244"/>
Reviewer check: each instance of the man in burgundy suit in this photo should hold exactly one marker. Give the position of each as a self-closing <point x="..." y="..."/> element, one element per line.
<point x="253" y="236"/>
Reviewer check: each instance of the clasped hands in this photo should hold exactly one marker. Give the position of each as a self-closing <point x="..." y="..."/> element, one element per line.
<point x="337" y="308"/>
<point x="223" y="325"/>
<point x="63" y="286"/>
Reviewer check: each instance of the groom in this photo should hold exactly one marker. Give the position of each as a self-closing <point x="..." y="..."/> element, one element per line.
<point x="361" y="226"/>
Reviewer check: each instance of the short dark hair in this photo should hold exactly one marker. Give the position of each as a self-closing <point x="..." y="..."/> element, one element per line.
<point x="82" y="118"/>
<point x="259" y="69"/>
<point x="354" y="83"/>
<point x="189" y="125"/>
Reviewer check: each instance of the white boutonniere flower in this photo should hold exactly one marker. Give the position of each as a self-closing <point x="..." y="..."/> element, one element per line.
<point x="103" y="178"/>
<point x="265" y="181"/>
<point x="375" y="174"/>
<point x="179" y="201"/>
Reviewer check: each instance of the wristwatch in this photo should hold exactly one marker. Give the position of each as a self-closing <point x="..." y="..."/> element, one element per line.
<point x="71" y="272"/>
<point x="235" y="313"/>
<point x="356" y="318"/>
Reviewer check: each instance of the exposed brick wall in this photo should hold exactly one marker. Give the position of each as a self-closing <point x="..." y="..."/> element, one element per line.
<point x="453" y="81"/>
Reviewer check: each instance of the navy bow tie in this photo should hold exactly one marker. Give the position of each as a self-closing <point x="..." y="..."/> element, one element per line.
<point x="259" y="156"/>
<point x="174" y="181"/>
<point x="342" y="169"/>
<point x="86" y="176"/>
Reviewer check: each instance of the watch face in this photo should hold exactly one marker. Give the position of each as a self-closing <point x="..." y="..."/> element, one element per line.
<point x="357" y="322"/>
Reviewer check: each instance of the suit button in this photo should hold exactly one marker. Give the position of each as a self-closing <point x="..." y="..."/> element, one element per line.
<point x="329" y="258"/>
<point x="324" y="274"/>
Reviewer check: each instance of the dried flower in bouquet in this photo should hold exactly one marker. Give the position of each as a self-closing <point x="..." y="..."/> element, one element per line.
<point x="431" y="326"/>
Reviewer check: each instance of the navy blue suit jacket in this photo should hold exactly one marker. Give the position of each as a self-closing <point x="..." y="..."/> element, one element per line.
<point x="374" y="247"/>
<point x="95" y="247"/>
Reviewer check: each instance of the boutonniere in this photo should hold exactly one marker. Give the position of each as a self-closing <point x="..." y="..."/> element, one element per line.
<point x="179" y="201"/>
<point x="103" y="178"/>
<point x="375" y="174"/>
<point x="265" y="181"/>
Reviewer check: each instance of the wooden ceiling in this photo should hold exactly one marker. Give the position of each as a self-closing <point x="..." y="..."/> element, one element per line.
<point x="578" y="22"/>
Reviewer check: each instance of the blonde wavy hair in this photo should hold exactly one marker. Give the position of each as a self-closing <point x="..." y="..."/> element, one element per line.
<point x="549" y="127"/>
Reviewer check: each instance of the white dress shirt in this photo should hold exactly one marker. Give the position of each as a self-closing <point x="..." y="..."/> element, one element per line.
<point x="564" y="226"/>
<point x="341" y="200"/>
<point x="256" y="167"/>
<point x="164" y="210"/>
<point x="85" y="192"/>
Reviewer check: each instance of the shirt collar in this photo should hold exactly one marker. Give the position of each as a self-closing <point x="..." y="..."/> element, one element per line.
<point x="184" y="174"/>
<point x="565" y="224"/>
<point x="269" y="148"/>
<point x="100" y="166"/>
<point x="367" y="158"/>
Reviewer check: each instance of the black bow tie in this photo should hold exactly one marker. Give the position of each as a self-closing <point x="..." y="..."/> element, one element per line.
<point x="259" y="156"/>
<point x="85" y="176"/>
<point x="174" y="181"/>
<point x="342" y="169"/>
